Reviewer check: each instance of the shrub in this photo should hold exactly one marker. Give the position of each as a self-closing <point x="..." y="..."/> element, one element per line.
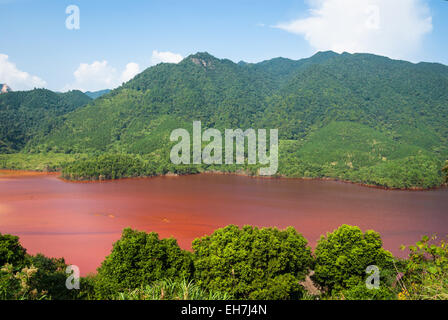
<point x="51" y="277"/>
<point x="426" y="271"/>
<point x="343" y="256"/>
<point x="252" y="263"/>
<point x="19" y="285"/>
<point x="361" y="292"/>
<point x="140" y="258"/>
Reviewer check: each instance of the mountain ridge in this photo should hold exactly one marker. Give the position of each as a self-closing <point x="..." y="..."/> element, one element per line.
<point x="400" y="110"/>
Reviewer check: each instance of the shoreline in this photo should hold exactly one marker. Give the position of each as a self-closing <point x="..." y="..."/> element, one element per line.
<point x="236" y="173"/>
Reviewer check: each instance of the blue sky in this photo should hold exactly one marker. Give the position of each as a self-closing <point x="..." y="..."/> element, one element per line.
<point x="117" y="39"/>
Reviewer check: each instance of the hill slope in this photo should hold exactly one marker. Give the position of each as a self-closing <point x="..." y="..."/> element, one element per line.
<point x="358" y="117"/>
<point x="27" y="114"/>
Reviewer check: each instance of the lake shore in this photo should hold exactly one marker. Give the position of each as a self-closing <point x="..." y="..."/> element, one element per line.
<point x="12" y="173"/>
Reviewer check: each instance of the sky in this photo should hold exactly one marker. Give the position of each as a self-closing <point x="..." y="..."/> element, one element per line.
<point x="42" y="46"/>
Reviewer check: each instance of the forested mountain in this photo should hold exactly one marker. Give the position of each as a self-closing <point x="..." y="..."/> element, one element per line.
<point x="358" y="117"/>
<point x="26" y="114"/>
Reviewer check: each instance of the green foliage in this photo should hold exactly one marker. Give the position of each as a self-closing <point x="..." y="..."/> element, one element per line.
<point x="140" y="258"/>
<point x="234" y="263"/>
<point x="252" y="263"/>
<point x="116" y="166"/>
<point x="23" y="276"/>
<point x="172" y="290"/>
<point x="343" y="256"/>
<point x="355" y="152"/>
<point x="106" y="167"/>
<point x="361" y="292"/>
<point x="27" y="114"/>
<point x="11" y="251"/>
<point x="19" y="285"/>
<point x="420" y="171"/>
<point x="50" y="277"/>
<point x="426" y="271"/>
<point x="49" y="162"/>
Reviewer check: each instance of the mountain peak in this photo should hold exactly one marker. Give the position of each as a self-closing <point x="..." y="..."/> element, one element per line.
<point x="4" y="88"/>
<point x="203" y="59"/>
<point x="324" y="55"/>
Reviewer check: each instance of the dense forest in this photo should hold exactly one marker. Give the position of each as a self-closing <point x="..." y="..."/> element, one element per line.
<point x="356" y="117"/>
<point x="236" y="263"/>
<point x="27" y="114"/>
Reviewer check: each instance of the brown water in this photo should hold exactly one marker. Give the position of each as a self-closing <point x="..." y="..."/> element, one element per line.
<point x="80" y="221"/>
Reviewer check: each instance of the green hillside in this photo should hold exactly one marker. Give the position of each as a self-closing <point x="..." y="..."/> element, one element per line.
<point x="26" y="114"/>
<point x="357" y="117"/>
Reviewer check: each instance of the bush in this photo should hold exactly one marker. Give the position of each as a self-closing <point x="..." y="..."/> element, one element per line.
<point x="19" y="285"/>
<point x="361" y="292"/>
<point x="51" y="277"/>
<point x="252" y="263"/>
<point x="426" y="271"/>
<point x="140" y="258"/>
<point x="343" y="256"/>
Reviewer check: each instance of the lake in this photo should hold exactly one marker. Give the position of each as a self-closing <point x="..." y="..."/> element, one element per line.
<point x="80" y="221"/>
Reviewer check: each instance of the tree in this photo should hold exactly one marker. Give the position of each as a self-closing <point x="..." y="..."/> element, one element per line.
<point x="11" y="251"/>
<point x="343" y="256"/>
<point x="138" y="259"/>
<point x="50" y="277"/>
<point x="253" y="263"/>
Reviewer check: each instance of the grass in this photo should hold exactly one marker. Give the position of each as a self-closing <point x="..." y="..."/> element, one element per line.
<point x="172" y="290"/>
<point x="49" y="162"/>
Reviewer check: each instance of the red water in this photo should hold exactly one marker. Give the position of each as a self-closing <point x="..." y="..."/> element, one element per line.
<point x="80" y="221"/>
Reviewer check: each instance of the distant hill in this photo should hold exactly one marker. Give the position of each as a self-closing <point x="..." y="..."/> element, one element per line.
<point x="27" y="114"/>
<point x="97" y="94"/>
<point x="4" y="88"/>
<point x="357" y="117"/>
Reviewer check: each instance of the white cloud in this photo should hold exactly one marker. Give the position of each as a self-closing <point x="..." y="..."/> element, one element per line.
<point x="165" y="56"/>
<point x="100" y="75"/>
<point x="132" y="69"/>
<point x="394" y="28"/>
<point x="96" y="76"/>
<point x="17" y="79"/>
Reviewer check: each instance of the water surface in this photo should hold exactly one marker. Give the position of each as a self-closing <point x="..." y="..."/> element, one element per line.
<point x="80" y="221"/>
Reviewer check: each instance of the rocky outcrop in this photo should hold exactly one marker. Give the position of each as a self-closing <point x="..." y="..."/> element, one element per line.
<point x="4" y="88"/>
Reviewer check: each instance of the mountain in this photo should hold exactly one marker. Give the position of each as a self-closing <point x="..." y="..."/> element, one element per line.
<point x="97" y="94"/>
<point x="357" y="117"/>
<point x="4" y="88"/>
<point x="27" y="114"/>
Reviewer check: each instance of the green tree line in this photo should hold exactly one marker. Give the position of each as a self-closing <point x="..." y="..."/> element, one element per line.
<point x="236" y="263"/>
